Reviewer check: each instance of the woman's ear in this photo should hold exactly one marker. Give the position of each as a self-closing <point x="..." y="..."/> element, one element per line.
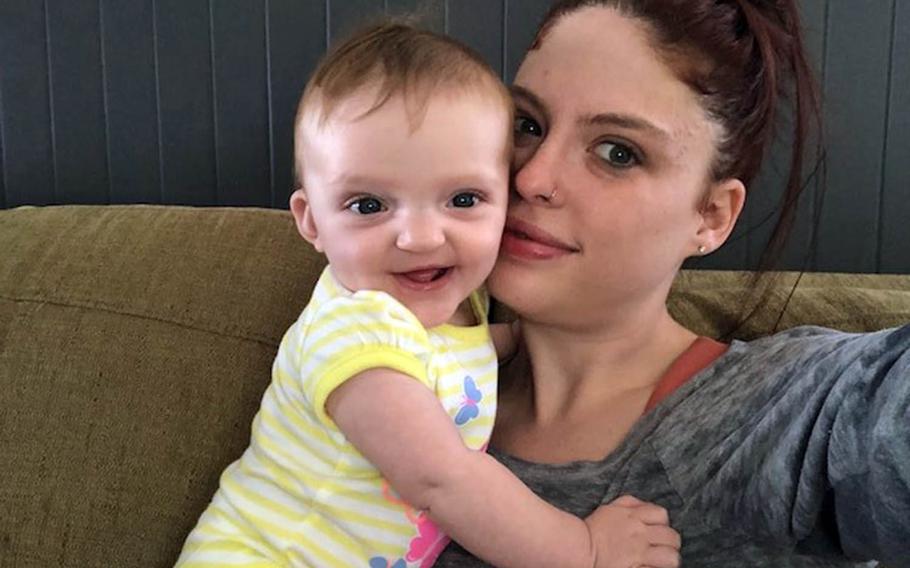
<point x="719" y="212"/>
<point x="303" y="218"/>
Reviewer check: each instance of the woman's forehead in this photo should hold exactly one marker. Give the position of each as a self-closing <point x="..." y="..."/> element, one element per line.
<point x="596" y="61"/>
<point x="597" y="50"/>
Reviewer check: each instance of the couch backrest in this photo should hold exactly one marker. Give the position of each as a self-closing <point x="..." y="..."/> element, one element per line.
<point x="136" y="342"/>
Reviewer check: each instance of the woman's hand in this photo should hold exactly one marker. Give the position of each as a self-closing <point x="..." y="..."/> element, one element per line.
<point x="629" y="533"/>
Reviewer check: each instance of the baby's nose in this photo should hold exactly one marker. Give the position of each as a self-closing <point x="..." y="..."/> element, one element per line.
<point x="420" y="233"/>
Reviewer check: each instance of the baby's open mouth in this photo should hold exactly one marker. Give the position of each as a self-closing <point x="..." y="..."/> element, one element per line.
<point x="425" y="275"/>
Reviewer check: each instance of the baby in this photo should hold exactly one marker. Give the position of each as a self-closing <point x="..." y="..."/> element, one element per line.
<point x="368" y="447"/>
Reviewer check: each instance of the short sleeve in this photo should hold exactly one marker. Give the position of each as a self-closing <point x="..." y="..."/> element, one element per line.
<point x="351" y="334"/>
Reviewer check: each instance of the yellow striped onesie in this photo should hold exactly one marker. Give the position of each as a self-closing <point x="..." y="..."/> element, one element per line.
<point x="301" y="495"/>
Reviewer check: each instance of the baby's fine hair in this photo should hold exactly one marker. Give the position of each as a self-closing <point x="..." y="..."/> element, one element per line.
<point x="397" y="58"/>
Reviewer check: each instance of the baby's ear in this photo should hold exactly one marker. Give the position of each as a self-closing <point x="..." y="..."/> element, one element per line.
<point x="303" y="218"/>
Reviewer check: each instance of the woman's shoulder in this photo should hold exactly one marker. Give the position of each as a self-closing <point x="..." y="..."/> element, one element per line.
<point x="766" y="383"/>
<point x="809" y="344"/>
<point x="808" y="331"/>
<point x="783" y="360"/>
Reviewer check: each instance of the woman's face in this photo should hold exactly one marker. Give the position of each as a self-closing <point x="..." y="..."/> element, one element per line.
<point x="612" y="159"/>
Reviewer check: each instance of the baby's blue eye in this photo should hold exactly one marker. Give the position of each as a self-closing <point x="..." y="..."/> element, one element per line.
<point x="617" y="155"/>
<point x="366" y="206"/>
<point x="464" y="200"/>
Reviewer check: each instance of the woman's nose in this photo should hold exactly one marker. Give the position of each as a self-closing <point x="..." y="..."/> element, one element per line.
<point x="420" y="232"/>
<point x="535" y="180"/>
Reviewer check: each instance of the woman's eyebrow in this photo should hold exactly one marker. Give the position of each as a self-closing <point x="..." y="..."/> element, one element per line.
<point x="624" y="121"/>
<point x="530" y="98"/>
<point x="607" y="118"/>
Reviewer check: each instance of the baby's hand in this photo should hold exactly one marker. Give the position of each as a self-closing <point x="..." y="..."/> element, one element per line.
<point x="629" y="533"/>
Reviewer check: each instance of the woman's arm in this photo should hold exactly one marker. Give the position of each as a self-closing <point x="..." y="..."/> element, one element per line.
<point x="803" y="439"/>
<point x="865" y="426"/>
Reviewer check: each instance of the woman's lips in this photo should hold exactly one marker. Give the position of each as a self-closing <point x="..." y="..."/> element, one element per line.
<point x="524" y="240"/>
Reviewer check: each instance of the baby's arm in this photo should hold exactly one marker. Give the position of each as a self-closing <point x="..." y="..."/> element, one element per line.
<point x="399" y="425"/>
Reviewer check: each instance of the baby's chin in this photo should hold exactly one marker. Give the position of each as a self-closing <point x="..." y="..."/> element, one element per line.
<point x="433" y="318"/>
<point x="432" y="314"/>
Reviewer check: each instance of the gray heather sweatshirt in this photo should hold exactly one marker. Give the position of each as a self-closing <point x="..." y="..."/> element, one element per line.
<point x="788" y="451"/>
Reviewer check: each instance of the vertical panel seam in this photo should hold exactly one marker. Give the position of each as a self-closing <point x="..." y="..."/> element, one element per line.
<point x="827" y="24"/>
<point x="4" y="198"/>
<point x="881" y="188"/>
<point x="217" y="165"/>
<point x="818" y="167"/>
<point x="328" y="23"/>
<point x="50" y="101"/>
<point x="269" y="106"/>
<point x="158" y="100"/>
<point x="819" y="201"/>
<point x="819" y="184"/>
<point x="504" y="59"/>
<point x="104" y="101"/>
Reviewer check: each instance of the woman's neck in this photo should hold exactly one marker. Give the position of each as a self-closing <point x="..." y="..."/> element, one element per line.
<point x="575" y="372"/>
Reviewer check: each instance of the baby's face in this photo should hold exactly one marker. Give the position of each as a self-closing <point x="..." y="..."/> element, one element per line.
<point x="418" y="215"/>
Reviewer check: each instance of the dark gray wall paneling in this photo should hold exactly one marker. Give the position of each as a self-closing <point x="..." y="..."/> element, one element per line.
<point x="2" y="153"/>
<point x="431" y="13"/>
<point x="347" y="16"/>
<point x="856" y="87"/>
<point x="185" y="82"/>
<point x="131" y="101"/>
<point x="895" y="234"/>
<point x="27" y="139"/>
<point x="80" y="144"/>
<point x="240" y="102"/>
<point x="522" y="18"/>
<point x="799" y="254"/>
<point x="296" y="39"/>
<point x="479" y="24"/>
<point x="192" y="102"/>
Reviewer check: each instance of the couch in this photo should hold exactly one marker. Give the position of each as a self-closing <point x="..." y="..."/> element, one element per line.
<point x="136" y="341"/>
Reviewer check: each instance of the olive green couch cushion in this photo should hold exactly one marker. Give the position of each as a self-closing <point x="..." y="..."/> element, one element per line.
<point x="136" y="341"/>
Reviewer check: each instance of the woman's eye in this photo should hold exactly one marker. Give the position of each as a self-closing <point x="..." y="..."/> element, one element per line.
<point x="464" y="200"/>
<point x="617" y="155"/>
<point x="525" y="126"/>
<point x="366" y="206"/>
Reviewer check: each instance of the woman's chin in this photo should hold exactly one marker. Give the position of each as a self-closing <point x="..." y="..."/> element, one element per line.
<point x="519" y="289"/>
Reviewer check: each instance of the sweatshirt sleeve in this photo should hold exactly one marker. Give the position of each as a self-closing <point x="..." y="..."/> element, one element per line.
<point x="802" y="438"/>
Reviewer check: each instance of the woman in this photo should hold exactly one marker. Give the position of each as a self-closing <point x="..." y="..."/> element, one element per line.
<point x="640" y="125"/>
